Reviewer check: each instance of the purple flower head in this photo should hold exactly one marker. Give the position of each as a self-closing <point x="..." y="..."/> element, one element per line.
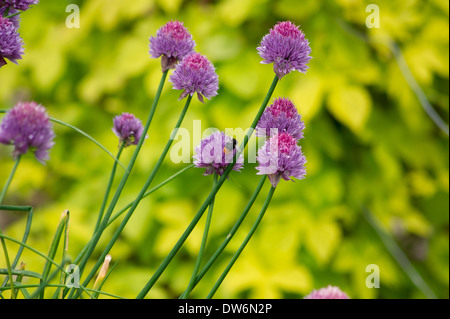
<point x="280" y="116"/>
<point x="330" y="292"/>
<point x="11" y="44"/>
<point x="18" y="4"/>
<point x="128" y="128"/>
<point x="281" y="157"/>
<point x="173" y="42"/>
<point x="195" y="73"/>
<point x="27" y="126"/>
<point x="286" y="47"/>
<point x="215" y="152"/>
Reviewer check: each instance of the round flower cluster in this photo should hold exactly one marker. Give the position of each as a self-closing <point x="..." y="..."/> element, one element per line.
<point x="128" y="129"/>
<point x="330" y="292"/>
<point x="27" y="127"/>
<point x="11" y="44"/>
<point x="172" y="43"/>
<point x="280" y="156"/>
<point x="281" y="116"/>
<point x="286" y="47"/>
<point x="215" y="152"/>
<point x="195" y="73"/>
<point x="21" y="5"/>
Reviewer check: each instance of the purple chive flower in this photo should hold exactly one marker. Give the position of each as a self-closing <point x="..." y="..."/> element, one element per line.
<point x="15" y="20"/>
<point x="128" y="128"/>
<point x="330" y="292"/>
<point x="173" y="42"/>
<point x="281" y="157"/>
<point x="27" y="126"/>
<point x="280" y="116"/>
<point x="18" y="4"/>
<point x="215" y="152"/>
<point x="286" y="47"/>
<point x="11" y="44"/>
<point x="195" y="73"/>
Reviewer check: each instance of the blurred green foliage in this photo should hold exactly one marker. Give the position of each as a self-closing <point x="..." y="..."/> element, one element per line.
<point x="368" y="142"/>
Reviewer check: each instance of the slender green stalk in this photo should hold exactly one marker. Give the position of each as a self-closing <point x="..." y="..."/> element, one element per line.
<point x="406" y="72"/>
<point x="108" y="188"/>
<point x="400" y="256"/>
<point x="244" y="243"/>
<point x="25" y="235"/>
<point x="30" y="248"/>
<point x="5" y="14"/>
<point x="121" y="211"/>
<point x="211" y="195"/>
<point x="231" y="233"/>
<point x="8" y="266"/>
<point x="84" y="134"/>
<point x="121" y="186"/>
<point x="54" y="247"/>
<point x="141" y="193"/>
<point x="24" y="273"/>
<point x="41" y="255"/>
<point x="150" y="191"/>
<point x="13" y="15"/>
<point x="91" y="139"/>
<point x="16" y="285"/>
<point x="202" y="246"/>
<point x="63" y="276"/>
<point x="8" y="181"/>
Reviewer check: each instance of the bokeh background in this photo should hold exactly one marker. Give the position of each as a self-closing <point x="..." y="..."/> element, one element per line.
<point x="371" y="148"/>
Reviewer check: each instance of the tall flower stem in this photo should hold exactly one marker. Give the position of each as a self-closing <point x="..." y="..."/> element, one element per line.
<point x="202" y="246"/>
<point x="108" y="187"/>
<point x="28" y="209"/>
<point x="244" y="243"/>
<point x="126" y="207"/>
<point x="8" y="181"/>
<point x="211" y="195"/>
<point x="92" y="244"/>
<point x="141" y="193"/>
<point x="230" y="235"/>
<point x="8" y="266"/>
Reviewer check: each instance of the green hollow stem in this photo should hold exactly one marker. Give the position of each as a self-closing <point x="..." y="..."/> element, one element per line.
<point x="141" y="193"/>
<point x="398" y="254"/>
<point x="10" y="177"/>
<point x="244" y="243"/>
<point x="13" y="15"/>
<point x="230" y="235"/>
<point x="63" y="222"/>
<point x="190" y="286"/>
<point x="24" y="273"/>
<point x="28" y="209"/>
<point x="5" y="14"/>
<point x="150" y="191"/>
<point x="8" y="266"/>
<point x="97" y="235"/>
<point x="21" y="286"/>
<point x="211" y="195"/>
<point x="121" y="211"/>
<point x="60" y="268"/>
<point x="108" y="188"/>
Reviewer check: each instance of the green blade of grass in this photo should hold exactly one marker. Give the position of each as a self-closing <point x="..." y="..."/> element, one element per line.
<point x="54" y="247"/>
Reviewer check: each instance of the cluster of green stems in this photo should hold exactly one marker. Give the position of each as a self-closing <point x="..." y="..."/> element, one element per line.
<point x="106" y="218"/>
